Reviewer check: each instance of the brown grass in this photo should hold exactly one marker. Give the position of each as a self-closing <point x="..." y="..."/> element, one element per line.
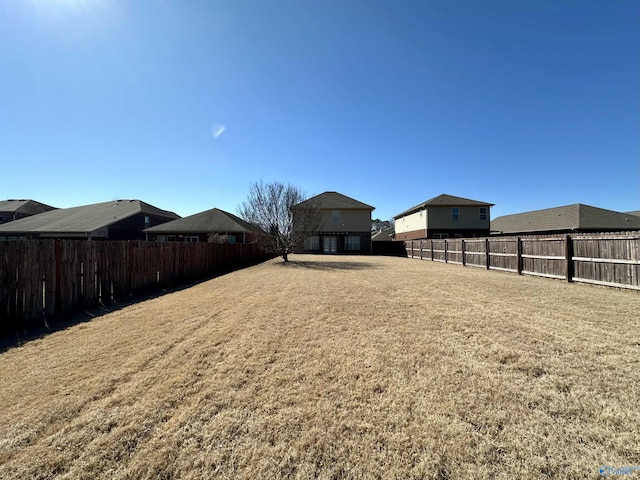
<point x="334" y="367"/>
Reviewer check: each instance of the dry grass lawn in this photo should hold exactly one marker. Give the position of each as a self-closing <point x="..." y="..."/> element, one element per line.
<point x="334" y="367"/>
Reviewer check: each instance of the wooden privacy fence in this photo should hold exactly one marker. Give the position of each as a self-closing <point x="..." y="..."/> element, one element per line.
<point x="44" y="278"/>
<point x="601" y="259"/>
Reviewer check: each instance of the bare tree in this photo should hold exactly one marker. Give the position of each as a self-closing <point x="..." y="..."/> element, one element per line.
<point x="276" y="208"/>
<point x="217" y="238"/>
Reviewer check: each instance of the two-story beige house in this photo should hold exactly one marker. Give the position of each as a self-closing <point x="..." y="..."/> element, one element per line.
<point x="444" y="216"/>
<point x="345" y="225"/>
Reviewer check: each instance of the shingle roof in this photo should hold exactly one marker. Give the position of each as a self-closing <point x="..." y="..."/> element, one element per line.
<point x="635" y="212"/>
<point x="25" y="207"/>
<point x="83" y="219"/>
<point x="445" y="200"/>
<point x="566" y="218"/>
<point x="337" y="201"/>
<point x="385" y="235"/>
<point x="214" y="220"/>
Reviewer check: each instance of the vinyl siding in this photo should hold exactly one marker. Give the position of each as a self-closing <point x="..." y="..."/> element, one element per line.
<point x="412" y="223"/>
<point x="469" y="218"/>
<point x="350" y="221"/>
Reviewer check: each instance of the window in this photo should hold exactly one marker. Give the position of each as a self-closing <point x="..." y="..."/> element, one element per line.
<point x="161" y="238"/>
<point x="312" y="243"/>
<point x="455" y="213"/>
<point x="147" y="221"/>
<point x="483" y="213"/>
<point x="440" y="235"/>
<point x="335" y="216"/>
<point x="352" y="242"/>
<point x="191" y="238"/>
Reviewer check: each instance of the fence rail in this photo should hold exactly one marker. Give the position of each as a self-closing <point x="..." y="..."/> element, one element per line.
<point x="45" y="278"/>
<point x="606" y="259"/>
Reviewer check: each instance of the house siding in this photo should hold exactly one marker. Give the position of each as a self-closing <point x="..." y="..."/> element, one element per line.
<point x="350" y="221"/>
<point x="6" y="217"/>
<point x="131" y="228"/>
<point x="409" y="224"/>
<point x="436" y="222"/>
<point x="468" y="219"/>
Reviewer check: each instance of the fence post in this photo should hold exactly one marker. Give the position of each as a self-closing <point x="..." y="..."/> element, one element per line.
<point x="420" y="249"/>
<point x="486" y="251"/>
<point x="462" y="248"/>
<point x="568" y="252"/>
<point x="519" y="255"/>
<point x="445" y="251"/>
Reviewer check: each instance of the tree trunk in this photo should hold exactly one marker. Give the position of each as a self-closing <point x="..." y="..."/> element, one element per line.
<point x="285" y="256"/>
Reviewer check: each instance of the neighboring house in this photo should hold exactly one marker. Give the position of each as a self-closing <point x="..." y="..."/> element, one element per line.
<point x="386" y="235"/>
<point x="568" y="219"/>
<point x="382" y="243"/>
<point x="636" y="213"/>
<point x="11" y="210"/>
<point x="115" y="220"/>
<point x="345" y="225"/>
<point x="444" y="216"/>
<point x="216" y="224"/>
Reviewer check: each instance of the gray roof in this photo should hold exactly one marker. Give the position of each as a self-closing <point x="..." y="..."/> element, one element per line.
<point x="445" y="200"/>
<point x="25" y="207"/>
<point x="385" y="235"/>
<point x="209" y="221"/>
<point x="635" y="212"/>
<point x="570" y="217"/>
<point x="336" y="201"/>
<point x="83" y="219"/>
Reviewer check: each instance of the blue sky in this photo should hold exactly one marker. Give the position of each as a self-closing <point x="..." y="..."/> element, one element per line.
<point x="185" y="103"/>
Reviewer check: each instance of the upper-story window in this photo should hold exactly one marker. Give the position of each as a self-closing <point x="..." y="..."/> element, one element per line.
<point x="483" y="213"/>
<point x="455" y="213"/>
<point x="335" y="216"/>
<point x="147" y="221"/>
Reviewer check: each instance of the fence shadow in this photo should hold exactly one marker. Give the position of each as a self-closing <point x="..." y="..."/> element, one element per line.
<point x="42" y="327"/>
<point x="44" y="284"/>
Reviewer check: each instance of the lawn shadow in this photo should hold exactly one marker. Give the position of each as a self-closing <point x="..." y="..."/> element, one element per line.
<point x="41" y="327"/>
<point x="328" y="266"/>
